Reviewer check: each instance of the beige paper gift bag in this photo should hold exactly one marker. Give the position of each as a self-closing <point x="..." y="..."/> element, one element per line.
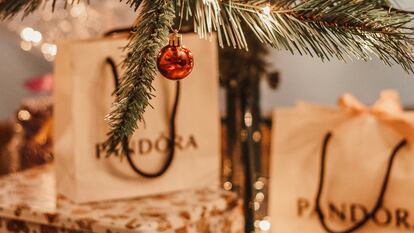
<point x="339" y="158"/>
<point x="83" y="87"/>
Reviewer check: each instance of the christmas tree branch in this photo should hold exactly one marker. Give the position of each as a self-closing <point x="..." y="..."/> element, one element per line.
<point x="134" y="3"/>
<point x="10" y="8"/>
<point x="134" y="94"/>
<point x="344" y="29"/>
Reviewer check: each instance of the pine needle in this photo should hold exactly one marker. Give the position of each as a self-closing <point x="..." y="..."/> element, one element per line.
<point x="10" y="8"/>
<point x="342" y="29"/>
<point x="136" y="88"/>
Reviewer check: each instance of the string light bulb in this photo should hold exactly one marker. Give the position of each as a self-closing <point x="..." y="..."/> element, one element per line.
<point x="267" y="9"/>
<point x="264" y="225"/>
<point x="30" y="35"/>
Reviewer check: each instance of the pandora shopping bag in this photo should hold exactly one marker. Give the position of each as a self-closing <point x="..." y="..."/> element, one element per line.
<point x="346" y="169"/>
<point x="83" y="95"/>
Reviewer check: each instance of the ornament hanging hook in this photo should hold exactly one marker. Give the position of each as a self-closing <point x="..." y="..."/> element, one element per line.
<point x="180" y="15"/>
<point x="175" y="39"/>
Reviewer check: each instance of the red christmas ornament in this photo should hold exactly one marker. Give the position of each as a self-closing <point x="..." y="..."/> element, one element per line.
<point x="175" y="61"/>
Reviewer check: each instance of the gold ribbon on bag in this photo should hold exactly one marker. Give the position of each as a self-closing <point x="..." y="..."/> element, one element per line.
<point x="387" y="109"/>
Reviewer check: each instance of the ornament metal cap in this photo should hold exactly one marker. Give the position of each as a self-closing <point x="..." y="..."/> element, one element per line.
<point x="175" y="39"/>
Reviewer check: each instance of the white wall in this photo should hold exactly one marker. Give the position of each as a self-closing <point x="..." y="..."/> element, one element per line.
<point x="16" y="66"/>
<point x="310" y="79"/>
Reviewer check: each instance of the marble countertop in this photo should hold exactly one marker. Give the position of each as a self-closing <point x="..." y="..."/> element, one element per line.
<point x="30" y="196"/>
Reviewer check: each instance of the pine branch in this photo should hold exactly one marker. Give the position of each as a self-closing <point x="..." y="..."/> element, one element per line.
<point x="344" y="29"/>
<point x="10" y="8"/>
<point x="135" y="92"/>
<point x="134" y="3"/>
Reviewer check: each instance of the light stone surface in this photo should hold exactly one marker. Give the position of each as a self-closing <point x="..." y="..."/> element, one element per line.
<point x="28" y="204"/>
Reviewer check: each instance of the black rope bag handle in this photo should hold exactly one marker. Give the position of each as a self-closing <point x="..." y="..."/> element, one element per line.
<point x="171" y="141"/>
<point x="379" y="201"/>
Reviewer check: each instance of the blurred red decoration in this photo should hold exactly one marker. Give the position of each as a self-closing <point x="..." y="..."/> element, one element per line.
<point x="40" y="84"/>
